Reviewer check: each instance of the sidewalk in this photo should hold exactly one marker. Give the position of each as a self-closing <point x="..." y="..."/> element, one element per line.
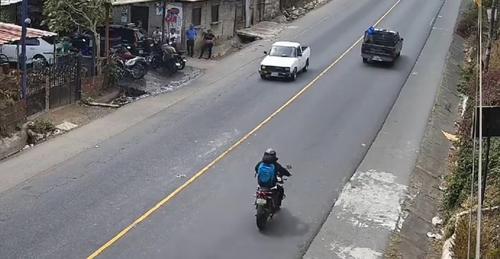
<point x="369" y="209"/>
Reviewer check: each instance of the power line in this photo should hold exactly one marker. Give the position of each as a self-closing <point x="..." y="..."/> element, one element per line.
<point x="474" y="135"/>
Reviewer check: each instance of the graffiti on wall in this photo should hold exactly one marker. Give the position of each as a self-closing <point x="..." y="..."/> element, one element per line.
<point x="173" y="18"/>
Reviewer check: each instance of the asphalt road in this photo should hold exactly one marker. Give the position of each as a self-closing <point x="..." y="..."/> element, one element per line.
<point x="75" y="207"/>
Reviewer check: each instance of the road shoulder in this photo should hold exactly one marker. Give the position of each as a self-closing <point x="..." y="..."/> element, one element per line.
<point x="420" y="229"/>
<point x="370" y="208"/>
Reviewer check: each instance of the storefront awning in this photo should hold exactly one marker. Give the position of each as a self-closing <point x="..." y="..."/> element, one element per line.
<point x="9" y="2"/>
<point x="10" y="32"/>
<point x="125" y="2"/>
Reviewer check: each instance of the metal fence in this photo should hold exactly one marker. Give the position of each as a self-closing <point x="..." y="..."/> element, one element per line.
<point x="54" y="86"/>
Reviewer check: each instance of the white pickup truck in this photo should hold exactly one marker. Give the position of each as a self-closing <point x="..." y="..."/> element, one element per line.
<point x="285" y="60"/>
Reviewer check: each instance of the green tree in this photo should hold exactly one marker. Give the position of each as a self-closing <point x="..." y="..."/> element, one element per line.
<point x="8" y="14"/>
<point x="65" y="16"/>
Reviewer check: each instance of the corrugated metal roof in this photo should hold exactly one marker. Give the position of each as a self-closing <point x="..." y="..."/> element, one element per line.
<point x="9" y="2"/>
<point x="11" y="32"/>
<point x="124" y="2"/>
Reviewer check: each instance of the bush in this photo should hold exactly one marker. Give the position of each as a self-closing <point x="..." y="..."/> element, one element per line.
<point x="490" y="235"/>
<point x="111" y="74"/>
<point x="459" y="180"/>
<point x="462" y="236"/>
<point x="467" y="26"/>
<point x="42" y="126"/>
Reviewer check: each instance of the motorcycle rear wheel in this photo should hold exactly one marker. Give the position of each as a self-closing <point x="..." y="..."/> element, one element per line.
<point x="261" y="218"/>
<point x="138" y="71"/>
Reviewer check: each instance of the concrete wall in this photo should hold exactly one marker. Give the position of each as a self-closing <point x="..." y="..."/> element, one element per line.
<point x="117" y="14"/>
<point x="223" y="29"/>
<point x="11" y="116"/>
<point x="272" y="9"/>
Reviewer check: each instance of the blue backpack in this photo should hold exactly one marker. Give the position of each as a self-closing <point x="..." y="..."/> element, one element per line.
<point x="266" y="175"/>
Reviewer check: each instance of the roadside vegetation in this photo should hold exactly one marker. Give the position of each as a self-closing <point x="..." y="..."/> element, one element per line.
<point x="458" y="199"/>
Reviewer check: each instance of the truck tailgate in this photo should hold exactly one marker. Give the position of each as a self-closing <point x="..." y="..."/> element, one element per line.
<point x="378" y="50"/>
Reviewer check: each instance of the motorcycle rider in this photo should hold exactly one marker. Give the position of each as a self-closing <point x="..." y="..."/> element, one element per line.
<point x="173" y="38"/>
<point x="270" y="157"/>
<point x="169" y="57"/>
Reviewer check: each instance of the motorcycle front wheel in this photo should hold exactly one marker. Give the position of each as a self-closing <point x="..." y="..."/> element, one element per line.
<point x="261" y="218"/>
<point x="182" y="66"/>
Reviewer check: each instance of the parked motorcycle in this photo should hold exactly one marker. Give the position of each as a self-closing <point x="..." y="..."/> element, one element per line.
<point x="130" y="65"/>
<point x="154" y="59"/>
<point x="166" y="56"/>
<point x="267" y="203"/>
<point x="180" y="60"/>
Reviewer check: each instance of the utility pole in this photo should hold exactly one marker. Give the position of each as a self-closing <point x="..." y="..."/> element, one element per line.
<point x="255" y="12"/>
<point x="491" y="34"/>
<point x="25" y="21"/>
<point x="164" y="16"/>
<point x="248" y="13"/>
<point x="106" y="41"/>
<point x="495" y="7"/>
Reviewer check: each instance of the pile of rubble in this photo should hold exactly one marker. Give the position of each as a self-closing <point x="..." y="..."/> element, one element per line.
<point x="293" y="13"/>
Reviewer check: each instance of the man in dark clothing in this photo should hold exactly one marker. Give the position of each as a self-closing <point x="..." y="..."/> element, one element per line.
<point x="271" y="158"/>
<point x="208" y="43"/>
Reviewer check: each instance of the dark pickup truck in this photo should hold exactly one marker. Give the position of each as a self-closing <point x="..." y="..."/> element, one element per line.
<point x="381" y="45"/>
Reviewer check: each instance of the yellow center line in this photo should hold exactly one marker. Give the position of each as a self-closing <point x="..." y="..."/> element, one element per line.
<point x="231" y="148"/>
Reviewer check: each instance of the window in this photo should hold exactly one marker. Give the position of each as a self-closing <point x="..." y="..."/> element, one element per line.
<point x="280" y="51"/>
<point x="196" y="19"/>
<point x="32" y="42"/>
<point x="215" y="13"/>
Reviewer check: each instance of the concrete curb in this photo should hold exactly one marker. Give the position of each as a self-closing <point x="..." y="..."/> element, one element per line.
<point x="110" y="96"/>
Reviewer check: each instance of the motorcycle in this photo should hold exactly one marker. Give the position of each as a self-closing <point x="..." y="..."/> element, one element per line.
<point x="180" y="61"/>
<point x="155" y="57"/>
<point x="268" y="202"/>
<point x="166" y="56"/>
<point x="130" y="65"/>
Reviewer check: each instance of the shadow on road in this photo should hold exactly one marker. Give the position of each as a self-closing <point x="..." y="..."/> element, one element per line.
<point x="285" y="224"/>
<point x="402" y="61"/>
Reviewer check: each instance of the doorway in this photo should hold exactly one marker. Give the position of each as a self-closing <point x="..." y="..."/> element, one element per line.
<point x="139" y="15"/>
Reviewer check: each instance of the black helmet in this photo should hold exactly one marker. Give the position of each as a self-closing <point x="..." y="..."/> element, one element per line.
<point x="270" y="152"/>
<point x="269" y="156"/>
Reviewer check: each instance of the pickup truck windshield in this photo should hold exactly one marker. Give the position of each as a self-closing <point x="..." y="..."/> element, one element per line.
<point x="279" y="51"/>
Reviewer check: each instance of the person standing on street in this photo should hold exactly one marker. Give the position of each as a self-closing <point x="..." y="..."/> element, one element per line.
<point x="191" y="35"/>
<point x="208" y="43"/>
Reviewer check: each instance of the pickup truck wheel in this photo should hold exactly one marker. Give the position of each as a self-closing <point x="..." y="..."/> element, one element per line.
<point x="399" y="54"/>
<point x="293" y="76"/>
<point x="365" y="60"/>
<point x="263" y="76"/>
<point x="306" y="66"/>
<point x="40" y="61"/>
